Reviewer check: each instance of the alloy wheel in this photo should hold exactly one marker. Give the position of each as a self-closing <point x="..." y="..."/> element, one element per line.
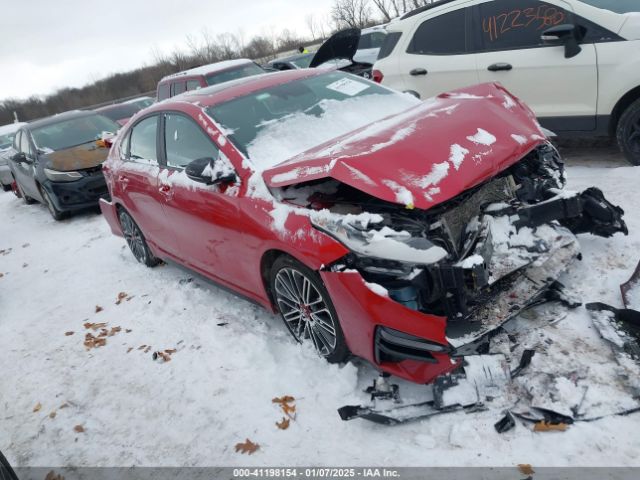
<point x="134" y="238"/>
<point x="634" y="135"/>
<point x="305" y="311"/>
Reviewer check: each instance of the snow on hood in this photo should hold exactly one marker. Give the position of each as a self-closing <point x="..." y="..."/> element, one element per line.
<point x="426" y="154"/>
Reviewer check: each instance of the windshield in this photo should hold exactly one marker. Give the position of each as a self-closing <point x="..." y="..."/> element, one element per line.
<point x="6" y="140"/>
<point x="120" y="112"/>
<point x="247" y="70"/>
<point x="618" y="6"/>
<point x="275" y="124"/>
<point x="142" y="103"/>
<point x="73" y="132"/>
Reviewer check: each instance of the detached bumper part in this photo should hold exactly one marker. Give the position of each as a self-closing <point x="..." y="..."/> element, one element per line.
<point x="394" y="346"/>
<point x="587" y="212"/>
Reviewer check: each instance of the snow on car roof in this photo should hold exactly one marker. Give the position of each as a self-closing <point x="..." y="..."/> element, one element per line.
<point x="10" y="128"/>
<point x="210" y="68"/>
<point x="223" y="92"/>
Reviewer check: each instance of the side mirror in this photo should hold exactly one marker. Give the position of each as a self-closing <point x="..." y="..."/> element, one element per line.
<point x="203" y="170"/>
<point x="568" y="34"/>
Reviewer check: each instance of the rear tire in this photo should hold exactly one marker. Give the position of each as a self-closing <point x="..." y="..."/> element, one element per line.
<point x="628" y="133"/>
<point x="306" y="308"/>
<point x="55" y="213"/>
<point x="136" y="241"/>
<point x="6" y="188"/>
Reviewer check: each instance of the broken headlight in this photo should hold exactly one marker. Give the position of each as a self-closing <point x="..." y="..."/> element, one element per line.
<point x="357" y="233"/>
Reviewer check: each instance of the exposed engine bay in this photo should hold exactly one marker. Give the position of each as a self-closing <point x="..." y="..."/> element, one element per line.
<point x="477" y="259"/>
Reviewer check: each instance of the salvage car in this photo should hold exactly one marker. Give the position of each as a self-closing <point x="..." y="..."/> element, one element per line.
<point x="212" y="74"/>
<point x="400" y="231"/>
<point x="7" y="133"/>
<point x="58" y="161"/>
<point x="122" y="112"/>
<point x="576" y="63"/>
<point x="292" y="62"/>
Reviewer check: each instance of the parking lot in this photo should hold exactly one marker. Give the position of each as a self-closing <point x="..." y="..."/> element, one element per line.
<point x="66" y="403"/>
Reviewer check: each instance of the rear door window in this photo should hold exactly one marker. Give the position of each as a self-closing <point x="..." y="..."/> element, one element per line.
<point x="506" y="25"/>
<point x="178" y="87"/>
<point x="143" y="140"/>
<point x="163" y="92"/>
<point x="443" y="35"/>
<point x="193" y="85"/>
<point x="185" y="141"/>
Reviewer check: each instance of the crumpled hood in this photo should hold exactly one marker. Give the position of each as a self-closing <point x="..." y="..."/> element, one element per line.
<point x="81" y="157"/>
<point x="427" y="154"/>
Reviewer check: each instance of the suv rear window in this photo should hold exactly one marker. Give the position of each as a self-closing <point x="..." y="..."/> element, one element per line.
<point x="442" y="35"/>
<point x="389" y="44"/>
<point x="163" y="91"/>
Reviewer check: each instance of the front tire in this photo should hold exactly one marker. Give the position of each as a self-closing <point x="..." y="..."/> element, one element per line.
<point x="306" y="308"/>
<point x="628" y="133"/>
<point x="6" y="188"/>
<point x="136" y="241"/>
<point x="55" y="213"/>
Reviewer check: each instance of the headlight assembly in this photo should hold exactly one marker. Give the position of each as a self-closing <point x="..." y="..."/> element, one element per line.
<point x="58" y="176"/>
<point x="355" y="233"/>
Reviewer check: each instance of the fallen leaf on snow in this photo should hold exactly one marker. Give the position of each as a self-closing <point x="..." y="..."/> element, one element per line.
<point x="25" y="245"/>
<point x="78" y="429"/>
<point x="94" y="342"/>
<point x="142" y="347"/>
<point x="549" y="427"/>
<point x="25" y="265"/>
<point x="64" y="405"/>
<point x="37" y="408"/>
<point x="129" y="349"/>
<point x="68" y="334"/>
<point x="99" y="308"/>
<point x="128" y="330"/>
<point x="53" y="414"/>
<point x="286" y="404"/>
<point x="526" y="469"/>
<point x="122" y="296"/>
<point x="247" y="447"/>
<point x="53" y="476"/>
<point x="283" y="424"/>
<point x="94" y="326"/>
<point x="1" y="274"/>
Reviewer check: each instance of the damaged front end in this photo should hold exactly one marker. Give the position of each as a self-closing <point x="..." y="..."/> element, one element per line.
<point x="476" y="260"/>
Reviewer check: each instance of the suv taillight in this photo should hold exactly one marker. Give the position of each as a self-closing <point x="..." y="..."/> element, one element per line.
<point x="377" y="76"/>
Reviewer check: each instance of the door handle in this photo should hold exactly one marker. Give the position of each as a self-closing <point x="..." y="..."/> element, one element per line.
<point x="416" y="72"/>
<point x="500" y="67"/>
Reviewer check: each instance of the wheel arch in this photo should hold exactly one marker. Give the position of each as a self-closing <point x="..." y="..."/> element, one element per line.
<point x="624" y="102"/>
<point x="266" y="262"/>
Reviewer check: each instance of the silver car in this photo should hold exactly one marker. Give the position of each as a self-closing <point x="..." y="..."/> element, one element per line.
<point x="7" y="132"/>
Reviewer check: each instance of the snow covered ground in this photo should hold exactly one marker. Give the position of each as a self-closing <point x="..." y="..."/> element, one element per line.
<point x="61" y="404"/>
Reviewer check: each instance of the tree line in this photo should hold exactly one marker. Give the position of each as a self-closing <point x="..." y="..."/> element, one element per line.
<point x="207" y="48"/>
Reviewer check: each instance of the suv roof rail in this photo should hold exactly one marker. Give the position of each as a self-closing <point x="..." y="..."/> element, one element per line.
<point x="425" y="8"/>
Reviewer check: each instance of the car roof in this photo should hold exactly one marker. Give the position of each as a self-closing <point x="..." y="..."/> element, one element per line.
<point x="11" y="127"/>
<point x="424" y="8"/>
<point x="60" y="117"/>
<point x="217" y="94"/>
<point x="207" y="69"/>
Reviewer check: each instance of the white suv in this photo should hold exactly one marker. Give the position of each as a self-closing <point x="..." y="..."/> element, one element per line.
<point x="576" y="63"/>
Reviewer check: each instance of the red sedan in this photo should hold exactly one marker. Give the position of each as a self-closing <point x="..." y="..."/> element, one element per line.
<point x="403" y="232"/>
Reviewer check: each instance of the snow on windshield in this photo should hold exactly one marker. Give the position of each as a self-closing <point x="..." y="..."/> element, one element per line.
<point x="297" y="133"/>
<point x="278" y="124"/>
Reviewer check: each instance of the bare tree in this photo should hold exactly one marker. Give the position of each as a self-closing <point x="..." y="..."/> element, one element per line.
<point x="351" y="13"/>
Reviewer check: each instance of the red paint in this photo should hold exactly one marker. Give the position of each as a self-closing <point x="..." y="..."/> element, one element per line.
<point x="224" y="234"/>
<point x="377" y="76"/>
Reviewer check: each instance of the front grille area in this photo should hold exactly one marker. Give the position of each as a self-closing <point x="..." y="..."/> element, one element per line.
<point x="456" y="219"/>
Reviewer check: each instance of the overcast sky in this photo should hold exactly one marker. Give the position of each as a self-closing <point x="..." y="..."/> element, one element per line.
<point x="50" y="44"/>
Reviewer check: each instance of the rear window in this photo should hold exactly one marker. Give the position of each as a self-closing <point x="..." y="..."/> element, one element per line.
<point x="120" y="112"/>
<point x="390" y="42"/>
<point x="73" y="132"/>
<point x="6" y="140"/>
<point x="618" y="6"/>
<point x="247" y="70"/>
<point x="371" y="40"/>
